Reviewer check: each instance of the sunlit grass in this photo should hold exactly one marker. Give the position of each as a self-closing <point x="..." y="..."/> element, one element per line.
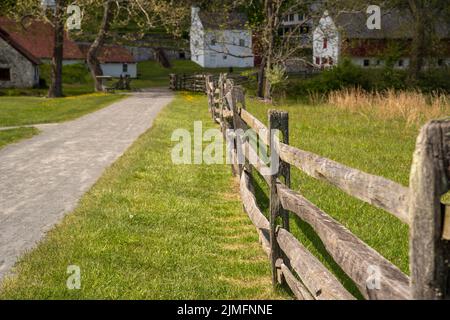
<point x="150" y="229"/>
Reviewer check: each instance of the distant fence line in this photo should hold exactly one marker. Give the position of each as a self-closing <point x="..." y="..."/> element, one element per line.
<point x="197" y="82"/>
<point x="419" y="206"/>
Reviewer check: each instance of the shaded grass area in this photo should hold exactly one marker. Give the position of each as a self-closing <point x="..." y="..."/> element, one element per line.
<point x="16" y="111"/>
<point x="150" y="229"/>
<point x="15" y="135"/>
<point x="378" y="147"/>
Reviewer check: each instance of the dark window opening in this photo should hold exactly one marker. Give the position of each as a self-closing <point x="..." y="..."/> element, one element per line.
<point x="291" y="17"/>
<point x="213" y="42"/>
<point x="5" y="74"/>
<point x="440" y="62"/>
<point x="366" y="62"/>
<point x="330" y="62"/>
<point x="182" y="55"/>
<point x="242" y="42"/>
<point x="225" y="57"/>
<point x="317" y="60"/>
<point x="125" y="67"/>
<point x="400" y="63"/>
<point x="304" y="30"/>
<point x="325" y="43"/>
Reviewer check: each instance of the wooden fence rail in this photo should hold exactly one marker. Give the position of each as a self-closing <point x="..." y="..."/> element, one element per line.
<point x="419" y="206"/>
<point x="197" y="82"/>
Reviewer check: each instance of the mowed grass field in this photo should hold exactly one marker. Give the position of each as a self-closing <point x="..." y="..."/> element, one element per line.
<point x="21" y="111"/>
<point x="150" y="229"/>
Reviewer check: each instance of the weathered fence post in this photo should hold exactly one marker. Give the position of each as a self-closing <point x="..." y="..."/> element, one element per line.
<point x="429" y="252"/>
<point x="278" y="120"/>
<point x="173" y="81"/>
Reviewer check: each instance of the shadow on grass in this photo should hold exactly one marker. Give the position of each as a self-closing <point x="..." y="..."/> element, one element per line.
<point x="307" y="232"/>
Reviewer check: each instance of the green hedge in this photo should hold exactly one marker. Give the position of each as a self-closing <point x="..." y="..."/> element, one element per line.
<point x="347" y="75"/>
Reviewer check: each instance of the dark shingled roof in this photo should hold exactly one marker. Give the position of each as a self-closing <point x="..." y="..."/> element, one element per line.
<point x="110" y="53"/>
<point x="223" y="20"/>
<point x="38" y="39"/>
<point x="394" y="25"/>
<point x="8" y="39"/>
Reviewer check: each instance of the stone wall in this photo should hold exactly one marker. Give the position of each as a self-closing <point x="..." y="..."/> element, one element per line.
<point x="24" y="74"/>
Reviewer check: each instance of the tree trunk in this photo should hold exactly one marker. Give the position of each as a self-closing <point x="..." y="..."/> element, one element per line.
<point x="261" y="78"/>
<point x="270" y="39"/>
<point x="55" y="90"/>
<point x="92" y="60"/>
<point x="418" y="45"/>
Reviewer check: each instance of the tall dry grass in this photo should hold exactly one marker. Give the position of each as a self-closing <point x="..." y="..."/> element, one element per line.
<point x="414" y="107"/>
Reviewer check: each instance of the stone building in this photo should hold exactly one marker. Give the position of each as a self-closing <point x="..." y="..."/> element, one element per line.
<point x="18" y="67"/>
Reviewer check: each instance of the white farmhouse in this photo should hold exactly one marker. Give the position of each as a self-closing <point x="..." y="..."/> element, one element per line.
<point x="347" y="35"/>
<point x="220" y="41"/>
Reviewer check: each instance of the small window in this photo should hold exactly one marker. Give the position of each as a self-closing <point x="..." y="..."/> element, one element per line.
<point x="378" y="62"/>
<point x="317" y="60"/>
<point x="125" y="67"/>
<point x="213" y="42"/>
<point x="400" y="63"/>
<point x="324" y="60"/>
<point x="440" y="62"/>
<point x="182" y="55"/>
<point x="291" y="17"/>
<point x="330" y="61"/>
<point x="225" y="57"/>
<point x="5" y="74"/>
<point x="366" y="62"/>
<point x="325" y="43"/>
<point x="301" y="17"/>
<point x="242" y="42"/>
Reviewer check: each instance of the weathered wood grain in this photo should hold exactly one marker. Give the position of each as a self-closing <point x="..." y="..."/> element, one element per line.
<point x="377" y="191"/>
<point x="256" y="125"/>
<point x="254" y="212"/>
<point x="298" y="289"/>
<point x="320" y="282"/>
<point x="278" y="120"/>
<point x="355" y="257"/>
<point x="429" y="180"/>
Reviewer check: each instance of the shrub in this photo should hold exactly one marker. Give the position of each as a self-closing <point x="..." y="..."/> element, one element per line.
<point x="348" y="76"/>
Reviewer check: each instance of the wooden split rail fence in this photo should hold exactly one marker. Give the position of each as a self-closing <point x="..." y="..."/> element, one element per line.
<point x="197" y="82"/>
<point x="419" y="206"/>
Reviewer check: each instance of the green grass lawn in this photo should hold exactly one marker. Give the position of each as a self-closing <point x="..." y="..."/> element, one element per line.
<point x="15" y="135"/>
<point x="150" y="229"/>
<point x="378" y="147"/>
<point x="16" y="111"/>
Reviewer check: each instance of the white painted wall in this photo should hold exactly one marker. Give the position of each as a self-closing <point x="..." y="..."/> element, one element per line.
<point x="326" y="29"/>
<point x="220" y="48"/>
<point x="116" y="69"/>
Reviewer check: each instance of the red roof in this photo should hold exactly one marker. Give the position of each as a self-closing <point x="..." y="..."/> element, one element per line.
<point x="38" y="39"/>
<point x="6" y="37"/>
<point x="111" y="54"/>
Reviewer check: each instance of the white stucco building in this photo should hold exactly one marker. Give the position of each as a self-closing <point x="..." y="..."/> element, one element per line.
<point x="347" y="35"/>
<point x="220" y="41"/>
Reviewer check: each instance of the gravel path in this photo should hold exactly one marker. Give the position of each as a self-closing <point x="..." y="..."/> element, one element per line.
<point x="42" y="179"/>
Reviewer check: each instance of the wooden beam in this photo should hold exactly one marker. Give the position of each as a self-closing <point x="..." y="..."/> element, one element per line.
<point x="298" y="289"/>
<point x="320" y="282"/>
<point x="355" y="257"/>
<point x="256" y="125"/>
<point x="377" y="191"/>
<point x="429" y="180"/>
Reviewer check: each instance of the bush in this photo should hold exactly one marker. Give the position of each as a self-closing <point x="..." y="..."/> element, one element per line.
<point x="347" y="76"/>
<point x="72" y="74"/>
